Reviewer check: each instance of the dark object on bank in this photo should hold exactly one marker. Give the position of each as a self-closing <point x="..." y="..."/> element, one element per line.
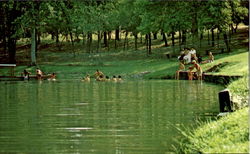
<point x="199" y="59"/>
<point x="224" y="100"/>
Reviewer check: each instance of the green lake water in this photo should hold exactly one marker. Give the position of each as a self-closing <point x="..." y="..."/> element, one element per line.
<point x="100" y="117"/>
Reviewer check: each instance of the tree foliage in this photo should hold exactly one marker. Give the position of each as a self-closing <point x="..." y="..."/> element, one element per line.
<point x="81" y="18"/>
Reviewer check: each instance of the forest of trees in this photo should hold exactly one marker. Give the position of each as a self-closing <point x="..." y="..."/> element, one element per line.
<point x="79" y="21"/>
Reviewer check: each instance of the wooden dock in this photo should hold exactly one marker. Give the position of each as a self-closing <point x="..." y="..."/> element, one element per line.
<point x="21" y="78"/>
<point x="183" y="75"/>
<point x="11" y="66"/>
<point x="221" y="79"/>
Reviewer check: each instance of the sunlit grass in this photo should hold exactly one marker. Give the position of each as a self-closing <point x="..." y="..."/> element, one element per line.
<point x="237" y="64"/>
<point x="229" y="134"/>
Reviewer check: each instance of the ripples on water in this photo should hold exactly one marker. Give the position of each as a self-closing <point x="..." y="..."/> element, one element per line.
<point x="100" y="117"/>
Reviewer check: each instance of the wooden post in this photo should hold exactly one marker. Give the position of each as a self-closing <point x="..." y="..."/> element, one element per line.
<point x="224" y="100"/>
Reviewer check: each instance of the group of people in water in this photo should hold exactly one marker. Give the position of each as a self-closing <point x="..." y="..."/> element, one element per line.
<point x="188" y="56"/>
<point x="99" y="76"/>
<point x="39" y="75"/>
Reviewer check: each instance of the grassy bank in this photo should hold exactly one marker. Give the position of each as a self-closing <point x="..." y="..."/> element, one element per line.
<point x="128" y="64"/>
<point x="74" y="61"/>
<point x="229" y="134"/>
<point x="240" y="92"/>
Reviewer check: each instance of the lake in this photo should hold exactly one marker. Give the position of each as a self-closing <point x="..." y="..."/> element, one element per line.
<point x="69" y="116"/>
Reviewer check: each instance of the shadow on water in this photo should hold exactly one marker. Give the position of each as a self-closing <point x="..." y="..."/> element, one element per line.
<point x="100" y="117"/>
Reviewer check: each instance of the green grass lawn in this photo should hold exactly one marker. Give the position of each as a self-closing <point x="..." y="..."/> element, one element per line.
<point x="237" y="63"/>
<point x="230" y="134"/>
<point x="129" y="64"/>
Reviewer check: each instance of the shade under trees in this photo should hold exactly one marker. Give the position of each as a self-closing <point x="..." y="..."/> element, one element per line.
<point x="81" y="20"/>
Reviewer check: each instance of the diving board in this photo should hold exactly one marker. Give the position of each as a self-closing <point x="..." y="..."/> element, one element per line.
<point x="11" y="66"/>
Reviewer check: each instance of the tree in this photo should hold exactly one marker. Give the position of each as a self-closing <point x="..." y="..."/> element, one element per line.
<point x="11" y="11"/>
<point x="239" y="12"/>
<point x="177" y="18"/>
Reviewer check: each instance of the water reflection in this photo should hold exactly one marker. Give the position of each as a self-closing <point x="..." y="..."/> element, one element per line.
<point x="99" y="117"/>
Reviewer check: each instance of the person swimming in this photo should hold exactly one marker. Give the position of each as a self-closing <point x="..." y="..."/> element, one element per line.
<point x="86" y="78"/>
<point x="100" y="78"/>
<point x="52" y="77"/>
<point x="98" y="74"/>
<point x="107" y="78"/>
<point x="119" y="78"/>
<point x="39" y="73"/>
<point x="25" y="74"/>
<point x="114" y="78"/>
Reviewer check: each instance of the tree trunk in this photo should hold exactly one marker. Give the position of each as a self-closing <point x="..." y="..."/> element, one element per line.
<point x="180" y="36"/>
<point x="117" y="35"/>
<point x="232" y="28"/>
<point x="38" y="38"/>
<point x="173" y="47"/>
<point x="172" y="38"/>
<point x="229" y="35"/>
<point x="57" y="37"/>
<point x="208" y="38"/>
<point x="218" y="38"/>
<point x="33" y="47"/>
<point x="4" y="31"/>
<point x="11" y="44"/>
<point x="125" y="40"/>
<point x="98" y="41"/>
<point x="72" y="43"/>
<point x="77" y="36"/>
<point x="83" y="38"/>
<point x="180" y="40"/>
<point x="52" y="36"/>
<point x="66" y="38"/>
<point x="136" y="38"/>
<point x="149" y="44"/>
<point x="236" y="27"/>
<point x="155" y="36"/>
<point x="71" y="38"/>
<point x="226" y="42"/>
<point x="184" y="37"/>
<point x="164" y="39"/>
<point x="12" y="50"/>
<point x="194" y="28"/>
<point x="141" y="38"/>
<point x="115" y="44"/>
<point x="201" y="37"/>
<point x="89" y="42"/>
<point x="109" y="35"/>
<point x="212" y="31"/>
<point x="105" y="39"/>
<point x="146" y="42"/>
<point x="108" y="44"/>
<point x="4" y="43"/>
